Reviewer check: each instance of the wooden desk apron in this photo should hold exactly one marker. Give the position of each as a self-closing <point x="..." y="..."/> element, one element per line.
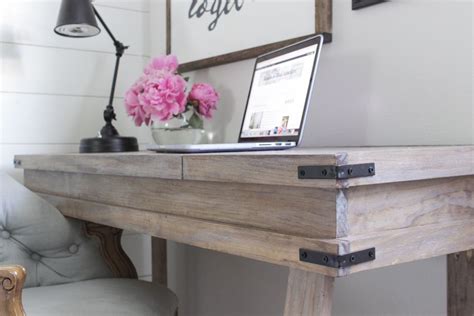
<point x="333" y="211"/>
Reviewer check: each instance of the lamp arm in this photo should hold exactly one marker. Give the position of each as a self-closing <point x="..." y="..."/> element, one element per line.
<point x="104" y="24"/>
<point x="109" y="113"/>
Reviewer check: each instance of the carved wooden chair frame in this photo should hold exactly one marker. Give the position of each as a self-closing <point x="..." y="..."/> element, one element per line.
<point x="12" y="278"/>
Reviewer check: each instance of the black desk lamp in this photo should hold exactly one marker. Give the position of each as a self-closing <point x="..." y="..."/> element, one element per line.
<point x="76" y="19"/>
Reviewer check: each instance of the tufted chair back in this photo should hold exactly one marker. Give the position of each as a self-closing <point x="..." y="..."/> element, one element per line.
<point x="37" y="236"/>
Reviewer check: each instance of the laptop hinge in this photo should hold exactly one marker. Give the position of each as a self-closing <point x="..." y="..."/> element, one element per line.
<point x="336" y="172"/>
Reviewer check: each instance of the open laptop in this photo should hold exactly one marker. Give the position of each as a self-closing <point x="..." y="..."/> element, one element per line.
<point x="278" y="100"/>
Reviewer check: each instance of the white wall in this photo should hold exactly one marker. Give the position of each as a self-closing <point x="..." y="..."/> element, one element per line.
<point x="53" y="89"/>
<point x="399" y="73"/>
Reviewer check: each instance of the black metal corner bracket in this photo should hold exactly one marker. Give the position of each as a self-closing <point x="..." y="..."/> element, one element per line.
<point x="336" y="261"/>
<point x="336" y="172"/>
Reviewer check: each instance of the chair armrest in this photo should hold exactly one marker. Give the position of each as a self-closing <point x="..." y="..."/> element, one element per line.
<point x="12" y="279"/>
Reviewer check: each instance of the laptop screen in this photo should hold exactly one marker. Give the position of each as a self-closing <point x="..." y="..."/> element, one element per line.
<point x="279" y="94"/>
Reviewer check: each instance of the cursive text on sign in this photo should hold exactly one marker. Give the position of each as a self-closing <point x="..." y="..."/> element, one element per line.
<point x="214" y="7"/>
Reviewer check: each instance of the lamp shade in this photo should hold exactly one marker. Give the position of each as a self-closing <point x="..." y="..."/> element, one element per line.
<point x="76" y="19"/>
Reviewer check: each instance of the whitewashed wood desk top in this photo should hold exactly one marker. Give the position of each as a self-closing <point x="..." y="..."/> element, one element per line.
<point x="419" y="204"/>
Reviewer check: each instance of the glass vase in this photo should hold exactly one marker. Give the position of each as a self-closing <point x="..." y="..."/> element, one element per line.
<point x="177" y="131"/>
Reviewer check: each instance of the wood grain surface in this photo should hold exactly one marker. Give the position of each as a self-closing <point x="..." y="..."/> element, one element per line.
<point x="413" y="243"/>
<point x="308" y="294"/>
<point x="409" y="204"/>
<point x="12" y="279"/>
<point x="244" y="54"/>
<point x="392" y="164"/>
<point x="259" y="168"/>
<point x="393" y="246"/>
<point x="111" y="249"/>
<point x="293" y="210"/>
<point x="159" y="258"/>
<point x="256" y="244"/>
<point x="398" y="164"/>
<point x="461" y="284"/>
<point x="323" y="10"/>
<point x="136" y="164"/>
<point x="418" y="205"/>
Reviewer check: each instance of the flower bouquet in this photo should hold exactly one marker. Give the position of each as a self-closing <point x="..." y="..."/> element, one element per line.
<point x="159" y="99"/>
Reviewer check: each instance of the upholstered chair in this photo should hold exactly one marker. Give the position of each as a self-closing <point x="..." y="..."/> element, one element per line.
<point x="71" y="267"/>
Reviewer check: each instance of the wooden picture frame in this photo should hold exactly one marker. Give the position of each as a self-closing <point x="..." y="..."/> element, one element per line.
<point x="323" y="25"/>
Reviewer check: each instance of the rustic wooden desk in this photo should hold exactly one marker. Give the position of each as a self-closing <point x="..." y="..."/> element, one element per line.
<point x="324" y="213"/>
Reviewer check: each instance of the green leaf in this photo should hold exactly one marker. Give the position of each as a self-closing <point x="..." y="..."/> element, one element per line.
<point x="195" y="121"/>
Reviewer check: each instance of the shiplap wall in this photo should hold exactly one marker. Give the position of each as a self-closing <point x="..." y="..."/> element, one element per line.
<point x="53" y="89"/>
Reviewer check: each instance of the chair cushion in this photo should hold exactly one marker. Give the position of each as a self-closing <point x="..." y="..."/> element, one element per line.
<point x="100" y="297"/>
<point x="34" y="234"/>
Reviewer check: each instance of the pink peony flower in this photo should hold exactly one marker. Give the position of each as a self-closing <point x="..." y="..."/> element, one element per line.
<point x="205" y="97"/>
<point x="167" y="63"/>
<point x="163" y="96"/>
<point x="132" y="104"/>
<point x="160" y="94"/>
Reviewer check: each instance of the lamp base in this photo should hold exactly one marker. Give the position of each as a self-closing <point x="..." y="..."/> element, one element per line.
<point x="114" y="144"/>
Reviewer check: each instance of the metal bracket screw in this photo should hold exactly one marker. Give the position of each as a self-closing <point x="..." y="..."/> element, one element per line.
<point x="337" y="261"/>
<point x="336" y="172"/>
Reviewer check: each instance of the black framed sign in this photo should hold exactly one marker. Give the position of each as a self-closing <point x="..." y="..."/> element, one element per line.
<point x="205" y="33"/>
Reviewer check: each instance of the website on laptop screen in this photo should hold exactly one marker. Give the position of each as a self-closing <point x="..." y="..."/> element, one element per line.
<point x="278" y="95"/>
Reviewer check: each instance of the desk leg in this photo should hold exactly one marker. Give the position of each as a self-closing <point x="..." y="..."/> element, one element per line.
<point x="158" y="261"/>
<point x="308" y="294"/>
<point x="461" y="283"/>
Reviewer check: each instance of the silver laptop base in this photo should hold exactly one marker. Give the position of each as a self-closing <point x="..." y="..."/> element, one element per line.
<point x="209" y="148"/>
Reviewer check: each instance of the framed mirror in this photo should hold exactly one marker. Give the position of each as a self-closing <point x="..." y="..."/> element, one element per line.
<point x="206" y="33"/>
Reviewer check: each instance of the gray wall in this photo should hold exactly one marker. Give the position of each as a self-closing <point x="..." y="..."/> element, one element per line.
<point x="399" y="73"/>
